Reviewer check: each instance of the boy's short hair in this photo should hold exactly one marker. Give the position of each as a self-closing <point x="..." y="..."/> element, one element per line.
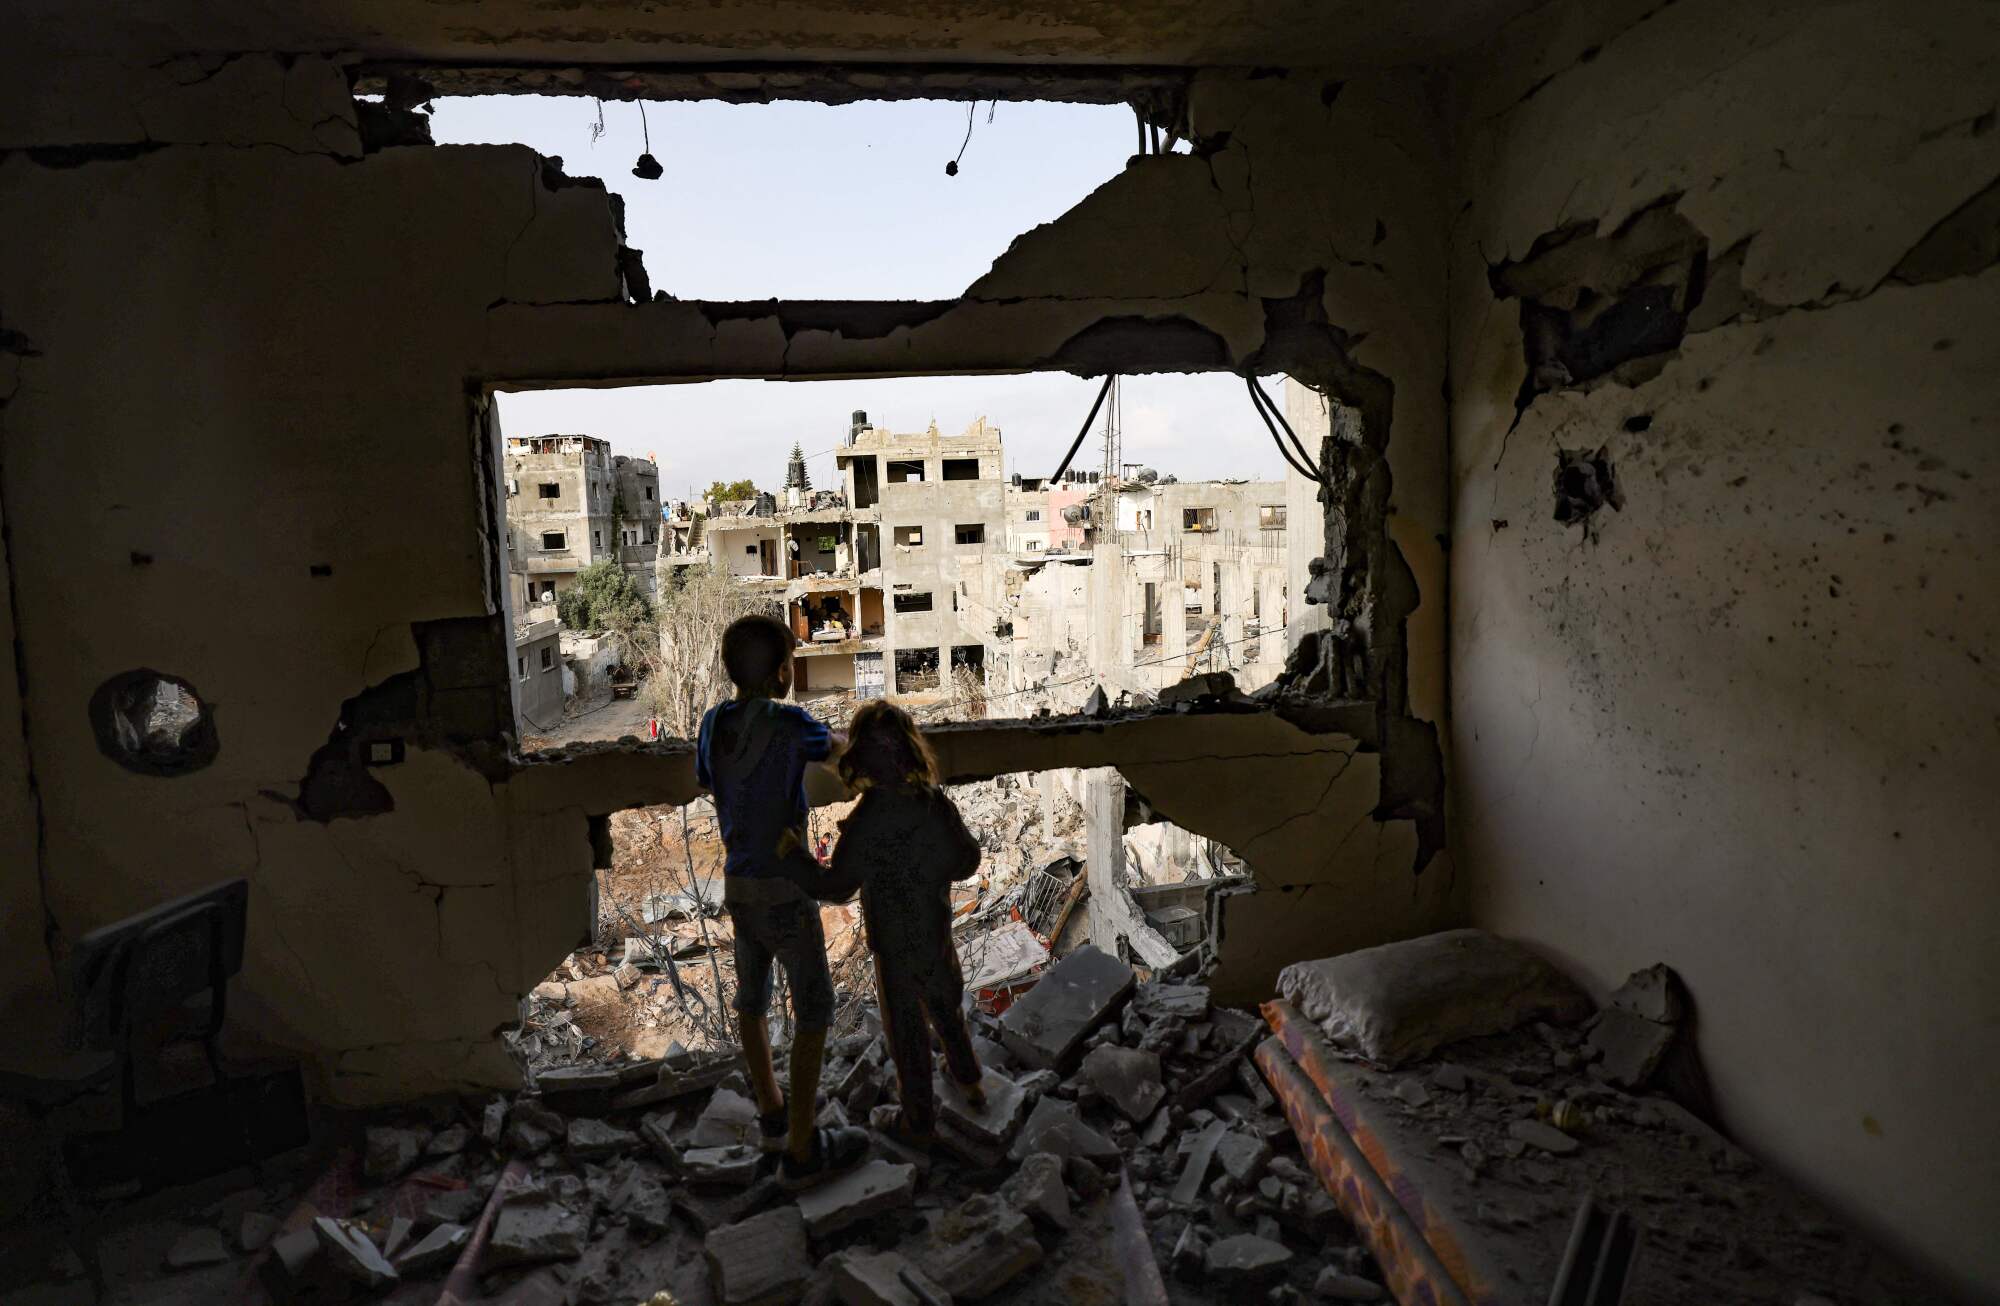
<point x="753" y="649"/>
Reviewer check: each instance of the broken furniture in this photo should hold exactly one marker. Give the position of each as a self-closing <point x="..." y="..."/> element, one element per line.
<point x="1463" y="1165"/>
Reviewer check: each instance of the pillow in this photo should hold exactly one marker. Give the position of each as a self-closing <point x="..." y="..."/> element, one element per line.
<point x="1404" y="1000"/>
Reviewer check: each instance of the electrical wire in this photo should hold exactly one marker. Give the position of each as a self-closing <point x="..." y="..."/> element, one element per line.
<point x="1098" y="403"/>
<point x="1266" y="407"/>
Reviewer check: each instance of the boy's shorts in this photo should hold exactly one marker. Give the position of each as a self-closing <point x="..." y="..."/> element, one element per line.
<point x="774" y="919"/>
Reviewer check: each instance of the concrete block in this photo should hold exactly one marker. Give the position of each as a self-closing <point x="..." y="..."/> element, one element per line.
<point x="597" y="1140"/>
<point x="1057" y="1126"/>
<point x="1036" y="1189"/>
<point x="994" y="1245"/>
<point x="1128" y="1079"/>
<point x="1158" y="1001"/>
<point x="434" y="1251"/>
<point x="1046" y="1027"/>
<point x="1247" y="1261"/>
<point x="529" y="1232"/>
<point x="1242" y="1157"/>
<point x="255" y="1230"/>
<point x="720" y="1167"/>
<point x="860" y="1194"/>
<point x="876" y="1279"/>
<point x="387" y="1151"/>
<point x="349" y="1250"/>
<point x="993" y="1123"/>
<point x="762" y="1261"/>
<point x="728" y="1119"/>
<point x="200" y="1246"/>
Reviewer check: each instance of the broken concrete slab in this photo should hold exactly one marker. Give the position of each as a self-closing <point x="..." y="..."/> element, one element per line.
<point x="728" y="1119"/>
<point x="656" y="1131"/>
<point x="861" y="1194"/>
<point x="1247" y="1261"/>
<point x="1036" y="1189"/>
<point x="536" y="1230"/>
<point x="1546" y="1137"/>
<point x="1195" y="1173"/>
<point x="678" y="1081"/>
<point x="576" y="1079"/>
<point x="455" y="1206"/>
<point x="598" y="1140"/>
<point x="1128" y="1079"/>
<point x="1653" y="994"/>
<point x="1628" y="1048"/>
<point x="995" y="1122"/>
<point x="388" y="1150"/>
<point x="493" y="1122"/>
<point x="1158" y="1001"/>
<point x="1338" y="1285"/>
<point x="1057" y="1126"/>
<point x="883" y="1279"/>
<point x="449" y="1141"/>
<point x="720" y="1167"/>
<point x="349" y="1250"/>
<point x="398" y="1233"/>
<point x="1242" y="1157"/>
<point x="432" y="1252"/>
<point x="255" y="1231"/>
<point x="762" y="1261"/>
<point x="1046" y="1027"/>
<point x="1209" y="684"/>
<point x="982" y="1247"/>
<point x="198" y="1246"/>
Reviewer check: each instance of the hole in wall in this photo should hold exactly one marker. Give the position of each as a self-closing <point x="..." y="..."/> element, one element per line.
<point x="1584" y="483"/>
<point x="916" y="546"/>
<point x="153" y="723"/>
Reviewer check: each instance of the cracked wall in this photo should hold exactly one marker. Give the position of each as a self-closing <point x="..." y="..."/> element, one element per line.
<point x="271" y="337"/>
<point x="1746" y="724"/>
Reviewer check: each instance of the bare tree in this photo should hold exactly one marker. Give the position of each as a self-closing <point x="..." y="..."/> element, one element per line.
<point x="678" y="651"/>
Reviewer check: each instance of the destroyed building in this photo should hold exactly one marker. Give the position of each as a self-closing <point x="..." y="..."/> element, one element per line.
<point x="1649" y="620"/>
<point x="570" y="503"/>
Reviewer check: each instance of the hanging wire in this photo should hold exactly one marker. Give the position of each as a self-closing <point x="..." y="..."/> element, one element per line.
<point x="646" y="135"/>
<point x="951" y="169"/>
<point x="1267" y="408"/>
<point x="597" y="128"/>
<point x="1102" y="391"/>
<point x="1139" y="121"/>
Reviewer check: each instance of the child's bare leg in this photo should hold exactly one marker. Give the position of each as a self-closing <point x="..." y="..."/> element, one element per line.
<point x="808" y="1053"/>
<point x="756" y="1036"/>
<point x="944" y="995"/>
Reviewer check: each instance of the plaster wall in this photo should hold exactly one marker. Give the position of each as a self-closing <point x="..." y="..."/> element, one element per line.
<point x="306" y="360"/>
<point x="1748" y="724"/>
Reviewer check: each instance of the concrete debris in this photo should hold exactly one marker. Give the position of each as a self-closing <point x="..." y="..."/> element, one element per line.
<point x="729" y="1119"/>
<point x="539" y="1229"/>
<point x="1195" y="1173"/>
<point x="1338" y="1285"/>
<point x="1046" y="1027"/>
<point x="350" y="1251"/>
<point x="1413" y="1093"/>
<point x="1211" y="684"/>
<point x="860" y="1194"/>
<point x="255" y="1231"/>
<point x="292" y="1256"/>
<point x="577" y="1079"/>
<point x="761" y="1261"/>
<point x="202" y="1246"/>
<point x="1190" y="1255"/>
<point x="987" y="1244"/>
<point x="594" y="1140"/>
<point x="1129" y="1080"/>
<point x="1057" y="1126"/>
<point x="1036" y="1189"/>
<point x="1546" y="1137"/>
<point x="398" y="1233"/>
<point x="493" y="1122"/>
<point x="1156" y="1001"/>
<point x="388" y="1151"/>
<point x="657" y="1132"/>
<point x="1242" y="1157"/>
<point x="644" y="1204"/>
<point x="454" y="1206"/>
<point x="449" y="1141"/>
<point x="721" y="1167"/>
<point x="995" y="1122"/>
<point x="1245" y="1260"/>
<point x="1449" y="1077"/>
<point x="432" y="1252"/>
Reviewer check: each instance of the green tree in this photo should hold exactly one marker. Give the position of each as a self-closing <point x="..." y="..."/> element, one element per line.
<point x="721" y="490"/>
<point x="602" y="598"/>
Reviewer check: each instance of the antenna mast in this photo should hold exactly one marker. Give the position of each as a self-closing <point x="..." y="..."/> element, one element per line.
<point x="1113" y="439"/>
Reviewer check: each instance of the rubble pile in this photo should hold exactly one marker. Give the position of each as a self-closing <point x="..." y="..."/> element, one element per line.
<point x="646" y="1183"/>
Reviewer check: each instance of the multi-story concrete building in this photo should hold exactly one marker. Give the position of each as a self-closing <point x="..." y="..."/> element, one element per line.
<point x="571" y="503"/>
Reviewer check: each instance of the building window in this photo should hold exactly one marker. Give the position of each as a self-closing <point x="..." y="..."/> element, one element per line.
<point x="1271" y="517"/>
<point x="961" y="469"/>
<point x="548" y="658"/>
<point x="649" y="493"/>
<point x="916" y="670"/>
<point x="911" y="537"/>
<point x="1033" y="514"/>
<point x="1197" y="519"/>
<point x="970" y="657"/>
<point x="597" y="539"/>
<point x="913" y="602"/>
<point x="548" y="591"/>
<point x="1032" y="546"/>
<point x="549" y="490"/>
<point x="1149" y="629"/>
<point x="905" y="470"/>
<point x="972" y="534"/>
<point x="554" y="541"/>
<point x="520" y="668"/>
<point x="750" y="549"/>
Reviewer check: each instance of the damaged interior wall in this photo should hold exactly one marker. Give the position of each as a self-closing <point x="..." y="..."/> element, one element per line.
<point x="271" y="340"/>
<point x="1735" y="708"/>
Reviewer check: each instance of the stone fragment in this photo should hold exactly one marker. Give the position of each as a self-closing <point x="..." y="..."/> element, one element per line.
<point x="449" y="1141"/>
<point x="994" y="1244"/>
<point x="398" y="1233"/>
<point x="576" y="1079"/>
<point x="525" y="1138"/>
<point x="293" y="1253"/>
<point x="729" y="1119"/>
<point x="1036" y="1189"/>
<point x="198" y="1246"/>
<point x="1628" y="1048"/>
<point x="720" y="1167"/>
<point x="656" y="1131"/>
<point x="536" y="1230"/>
<point x="1209" y="684"/>
<point x="1413" y="1093"/>
<point x="350" y="1251"/>
<point x="255" y="1231"/>
<point x="861" y="1194"/>
<point x="1195" y="1172"/>
<point x="1242" y="1156"/>
<point x="1190" y="1255"/>
<point x="454" y="1206"/>
<point x="1546" y="1137"/>
<point x="1045" y="1028"/>
<point x="388" y="1151"/>
<point x="877" y="1279"/>
<point x="1449" y="1077"/>
<point x="1247" y="1261"/>
<point x="1652" y="994"/>
<point x="1057" y="1126"/>
<point x="1253" y="1084"/>
<point x="761" y="1261"/>
<point x="598" y="1140"/>
<point x="993" y="1123"/>
<point x="432" y="1252"/>
<point x="1129" y="1080"/>
<point x="1338" y="1285"/>
<point x="493" y="1122"/>
<point x="642" y="1201"/>
<point x="1158" y="1001"/>
<point x="1156" y="1129"/>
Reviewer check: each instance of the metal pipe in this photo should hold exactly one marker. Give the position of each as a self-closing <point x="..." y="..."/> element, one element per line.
<point x="1104" y="390"/>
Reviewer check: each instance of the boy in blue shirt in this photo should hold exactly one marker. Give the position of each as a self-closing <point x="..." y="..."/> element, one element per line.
<point x="752" y="755"/>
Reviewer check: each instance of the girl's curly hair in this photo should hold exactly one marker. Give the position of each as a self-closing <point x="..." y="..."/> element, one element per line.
<point x="884" y="747"/>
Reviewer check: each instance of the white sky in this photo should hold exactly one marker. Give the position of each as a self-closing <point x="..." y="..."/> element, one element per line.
<point x="806" y="201"/>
